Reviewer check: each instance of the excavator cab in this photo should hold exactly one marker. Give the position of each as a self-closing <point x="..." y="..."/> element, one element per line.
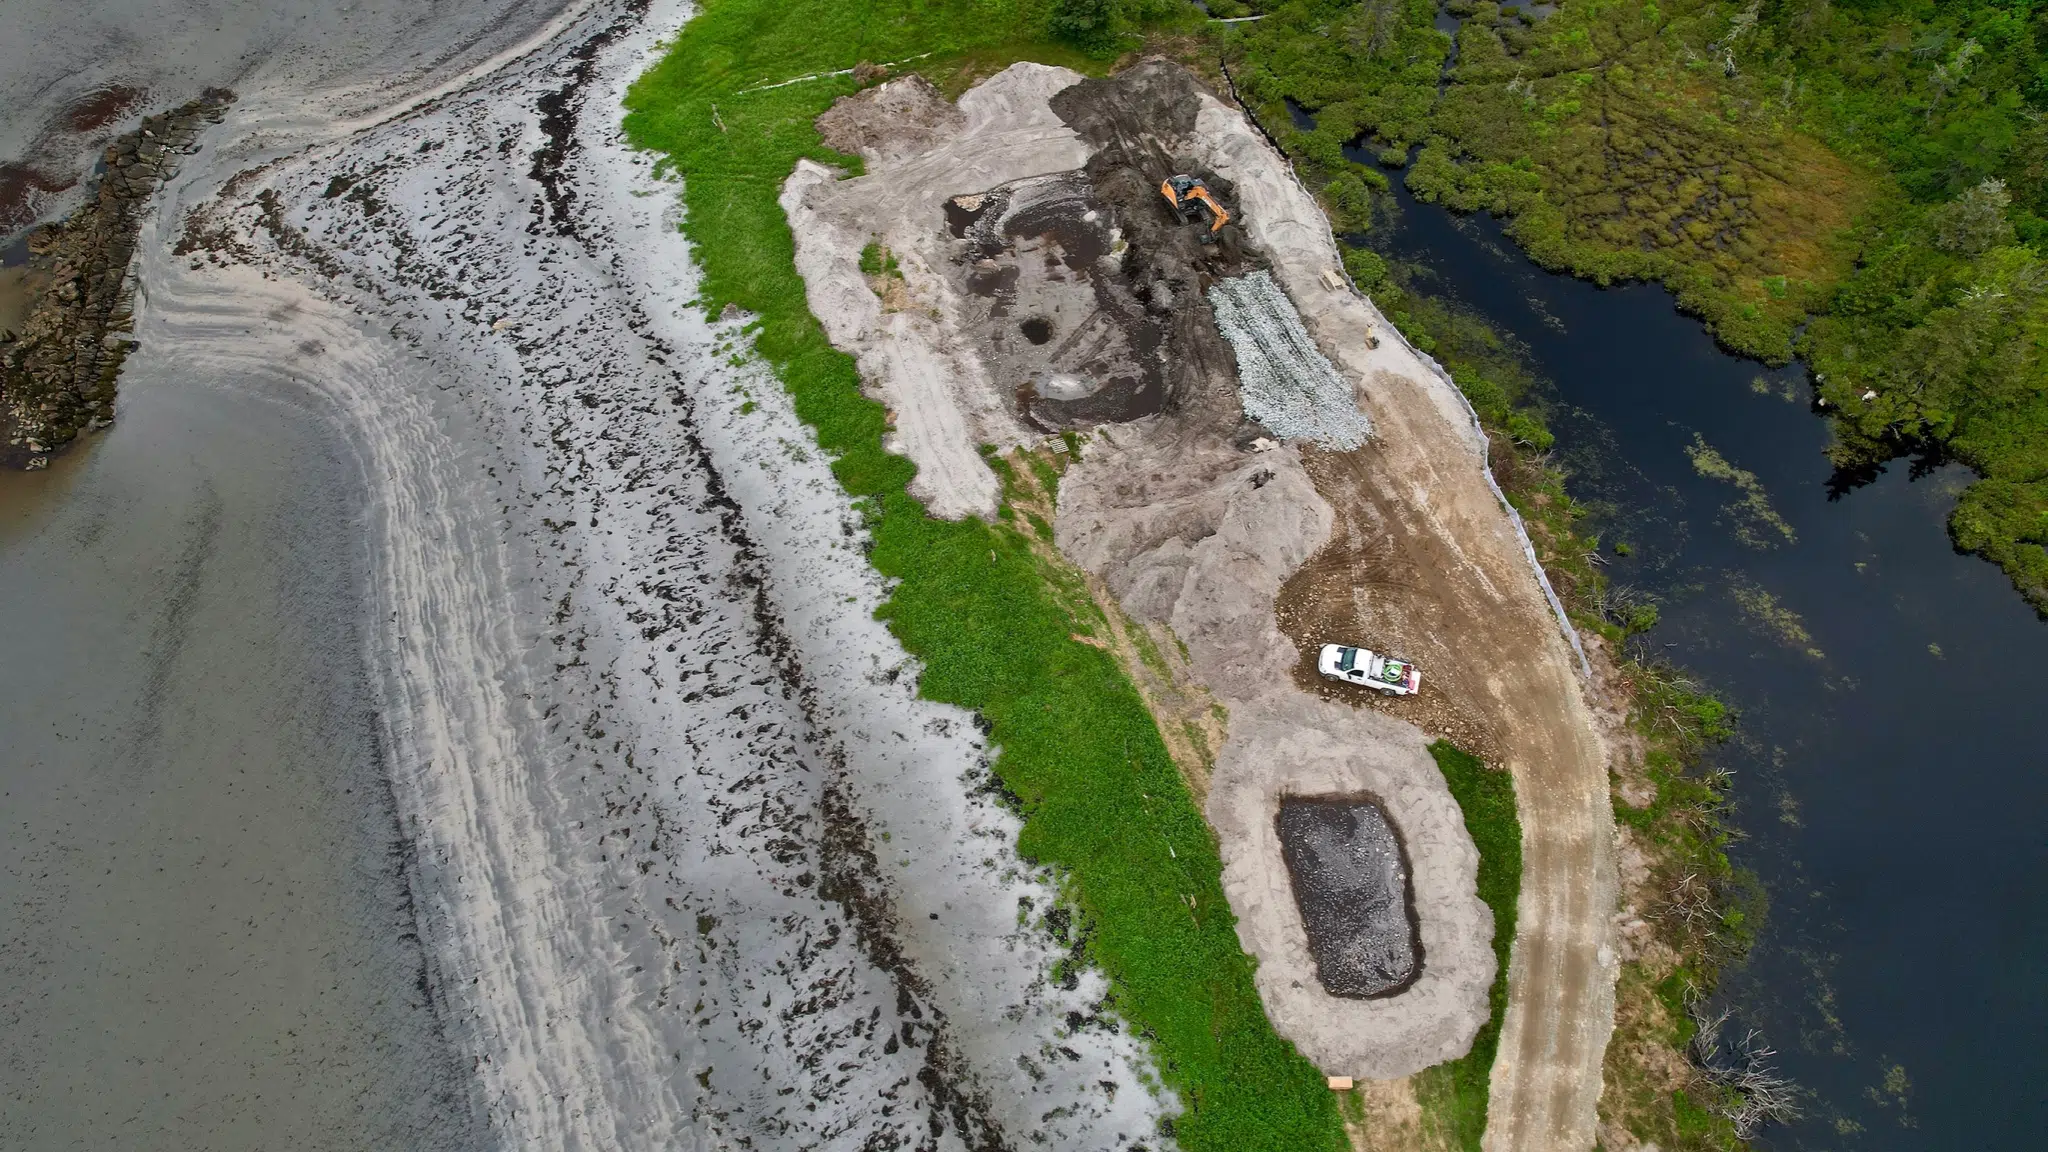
<point x="1191" y="201"/>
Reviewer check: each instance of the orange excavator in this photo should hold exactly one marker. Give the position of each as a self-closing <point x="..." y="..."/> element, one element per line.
<point x="1191" y="200"/>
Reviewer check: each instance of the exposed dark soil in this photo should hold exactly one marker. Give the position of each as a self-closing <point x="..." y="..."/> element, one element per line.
<point x="1131" y="119"/>
<point x="1351" y="880"/>
<point x="1096" y="310"/>
<point x="1379" y="586"/>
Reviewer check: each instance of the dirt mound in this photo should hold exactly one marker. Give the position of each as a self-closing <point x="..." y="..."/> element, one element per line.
<point x="1135" y="118"/>
<point x="890" y="122"/>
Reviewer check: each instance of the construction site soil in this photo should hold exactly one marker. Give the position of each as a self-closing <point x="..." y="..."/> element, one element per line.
<point x="1194" y="522"/>
<point x="1084" y="293"/>
<point x="1045" y="285"/>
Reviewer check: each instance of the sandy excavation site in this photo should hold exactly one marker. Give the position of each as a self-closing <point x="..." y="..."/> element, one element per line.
<point x="1265" y="467"/>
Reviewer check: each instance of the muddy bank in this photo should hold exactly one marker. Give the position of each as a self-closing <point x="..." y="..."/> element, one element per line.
<point x="209" y="939"/>
<point x="76" y="299"/>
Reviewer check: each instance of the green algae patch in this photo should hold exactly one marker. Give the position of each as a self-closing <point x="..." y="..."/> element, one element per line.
<point x="1102" y="800"/>
<point x="1752" y="518"/>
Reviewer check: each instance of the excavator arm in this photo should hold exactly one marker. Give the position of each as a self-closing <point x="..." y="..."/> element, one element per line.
<point x="1188" y="196"/>
<point x="1218" y="217"/>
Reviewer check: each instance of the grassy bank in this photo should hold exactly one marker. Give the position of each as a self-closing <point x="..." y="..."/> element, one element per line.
<point x="1102" y="800"/>
<point x="1876" y="172"/>
<point x="1454" y="1094"/>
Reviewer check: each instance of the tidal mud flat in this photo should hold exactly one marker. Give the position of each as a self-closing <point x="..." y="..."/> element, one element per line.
<point x="691" y="856"/>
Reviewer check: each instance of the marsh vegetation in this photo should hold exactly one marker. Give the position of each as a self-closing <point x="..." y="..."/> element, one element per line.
<point x="1864" y="186"/>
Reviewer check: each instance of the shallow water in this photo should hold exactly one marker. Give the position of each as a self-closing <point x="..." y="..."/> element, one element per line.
<point x="1888" y="768"/>
<point x="17" y="291"/>
<point x="209" y="944"/>
<point x="212" y="941"/>
<point x="72" y="75"/>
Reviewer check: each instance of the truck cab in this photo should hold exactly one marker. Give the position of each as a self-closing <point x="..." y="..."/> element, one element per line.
<point x="1368" y="669"/>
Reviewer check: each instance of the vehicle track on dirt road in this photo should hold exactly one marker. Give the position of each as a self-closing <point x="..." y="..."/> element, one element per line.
<point x="1497" y="666"/>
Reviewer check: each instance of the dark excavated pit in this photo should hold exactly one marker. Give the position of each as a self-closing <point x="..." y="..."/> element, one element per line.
<point x="1083" y="292"/>
<point x="1039" y="260"/>
<point x="962" y="213"/>
<point x="1351" y="881"/>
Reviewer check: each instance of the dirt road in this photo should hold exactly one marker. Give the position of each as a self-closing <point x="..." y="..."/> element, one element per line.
<point x="1409" y="564"/>
<point x="1424" y="556"/>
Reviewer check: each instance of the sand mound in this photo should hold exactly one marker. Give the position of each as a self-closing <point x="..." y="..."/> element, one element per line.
<point x="917" y="360"/>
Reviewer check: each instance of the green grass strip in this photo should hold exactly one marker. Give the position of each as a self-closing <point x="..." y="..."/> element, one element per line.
<point x="1455" y="1092"/>
<point x="1103" y="801"/>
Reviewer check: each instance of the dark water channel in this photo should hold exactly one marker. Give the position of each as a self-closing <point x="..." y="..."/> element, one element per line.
<point x="1888" y="771"/>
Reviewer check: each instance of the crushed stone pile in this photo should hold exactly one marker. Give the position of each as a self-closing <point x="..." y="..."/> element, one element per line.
<point x="1287" y="384"/>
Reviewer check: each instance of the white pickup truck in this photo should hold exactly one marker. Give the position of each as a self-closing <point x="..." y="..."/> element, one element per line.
<point x="1369" y="670"/>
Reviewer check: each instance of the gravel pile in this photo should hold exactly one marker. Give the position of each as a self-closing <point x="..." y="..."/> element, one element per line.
<point x="1286" y="382"/>
<point x="1352" y="887"/>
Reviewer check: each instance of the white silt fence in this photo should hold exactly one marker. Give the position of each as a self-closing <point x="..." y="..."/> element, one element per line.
<point x="1286" y="383"/>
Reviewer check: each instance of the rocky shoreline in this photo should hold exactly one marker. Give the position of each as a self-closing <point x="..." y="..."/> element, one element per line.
<point x="57" y="373"/>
